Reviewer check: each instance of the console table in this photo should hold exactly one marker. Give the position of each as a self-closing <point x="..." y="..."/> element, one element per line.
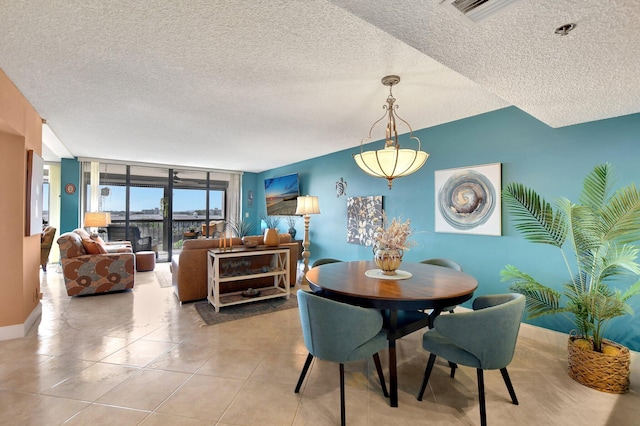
<point x="237" y="268"/>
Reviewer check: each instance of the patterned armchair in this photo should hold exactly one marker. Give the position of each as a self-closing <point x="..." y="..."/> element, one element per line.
<point x="86" y="273"/>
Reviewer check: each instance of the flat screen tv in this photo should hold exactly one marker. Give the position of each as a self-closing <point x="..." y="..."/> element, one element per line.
<point x="281" y="195"/>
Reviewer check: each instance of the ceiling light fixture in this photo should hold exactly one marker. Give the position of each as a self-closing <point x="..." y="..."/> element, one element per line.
<point x="390" y="162"/>
<point x="564" y="29"/>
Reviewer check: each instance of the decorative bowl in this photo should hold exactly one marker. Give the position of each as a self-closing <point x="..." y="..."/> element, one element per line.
<point x="251" y="292"/>
<point x="250" y="244"/>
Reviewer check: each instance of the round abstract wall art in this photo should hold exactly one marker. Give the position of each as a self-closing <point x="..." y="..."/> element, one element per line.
<point x="468" y="200"/>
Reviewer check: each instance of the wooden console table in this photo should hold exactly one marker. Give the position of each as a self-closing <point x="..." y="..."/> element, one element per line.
<point x="279" y="270"/>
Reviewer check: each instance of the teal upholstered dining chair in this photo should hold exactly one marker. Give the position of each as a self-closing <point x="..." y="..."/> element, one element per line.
<point x="446" y="263"/>
<point x="322" y="261"/>
<point x="441" y="261"/>
<point x="484" y="339"/>
<point x="408" y="317"/>
<point x="339" y="332"/>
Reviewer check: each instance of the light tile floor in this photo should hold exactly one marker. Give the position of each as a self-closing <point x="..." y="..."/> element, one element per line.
<point x="141" y="358"/>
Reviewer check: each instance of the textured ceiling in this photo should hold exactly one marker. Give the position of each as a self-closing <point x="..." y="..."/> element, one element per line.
<point x="252" y="85"/>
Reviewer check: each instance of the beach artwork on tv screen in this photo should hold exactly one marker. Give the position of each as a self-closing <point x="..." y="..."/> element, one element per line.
<point x="281" y="195"/>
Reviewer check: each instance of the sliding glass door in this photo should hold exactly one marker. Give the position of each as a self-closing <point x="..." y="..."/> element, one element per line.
<point x="195" y="205"/>
<point x="167" y="205"/>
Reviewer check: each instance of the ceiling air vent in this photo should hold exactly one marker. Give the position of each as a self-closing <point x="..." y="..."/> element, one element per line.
<point x="475" y="10"/>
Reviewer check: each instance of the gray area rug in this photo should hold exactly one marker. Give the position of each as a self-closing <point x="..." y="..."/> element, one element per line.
<point x="235" y="312"/>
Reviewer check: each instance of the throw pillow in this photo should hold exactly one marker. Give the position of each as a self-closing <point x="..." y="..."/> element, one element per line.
<point x="93" y="247"/>
<point x="97" y="238"/>
<point x="90" y="246"/>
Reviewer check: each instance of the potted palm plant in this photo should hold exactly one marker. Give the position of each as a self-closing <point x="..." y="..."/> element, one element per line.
<point x="595" y="238"/>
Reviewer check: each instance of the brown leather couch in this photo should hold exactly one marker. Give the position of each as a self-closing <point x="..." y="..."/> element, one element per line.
<point x="189" y="268"/>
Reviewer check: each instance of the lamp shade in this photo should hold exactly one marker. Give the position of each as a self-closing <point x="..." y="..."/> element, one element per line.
<point x="308" y="205"/>
<point x="391" y="162"/>
<point x="96" y="219"/>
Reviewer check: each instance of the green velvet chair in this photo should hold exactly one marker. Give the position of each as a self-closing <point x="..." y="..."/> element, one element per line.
<point x="484" y="339"/>
<point x="338" y="332"/>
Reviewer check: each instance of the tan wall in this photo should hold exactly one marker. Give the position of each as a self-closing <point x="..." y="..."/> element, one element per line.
<point x="54" y="208"/>
<point x="20" y="130"/>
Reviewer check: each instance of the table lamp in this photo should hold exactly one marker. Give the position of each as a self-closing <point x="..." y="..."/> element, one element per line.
<point x="307" y="205"/>
<point x="95" y="220"/>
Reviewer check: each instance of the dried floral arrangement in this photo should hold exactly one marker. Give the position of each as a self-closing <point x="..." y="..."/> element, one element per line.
<point x="394" y="235"/>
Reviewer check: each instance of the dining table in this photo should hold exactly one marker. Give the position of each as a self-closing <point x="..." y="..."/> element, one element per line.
<point x="410" y="299"/>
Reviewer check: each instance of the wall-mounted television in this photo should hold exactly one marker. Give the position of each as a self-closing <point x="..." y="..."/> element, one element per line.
<point x="281" y="195"/>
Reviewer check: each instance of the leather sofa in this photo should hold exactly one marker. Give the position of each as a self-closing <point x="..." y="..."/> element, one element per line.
<point x="91" y="273"/>
<point x="189" y="268"/>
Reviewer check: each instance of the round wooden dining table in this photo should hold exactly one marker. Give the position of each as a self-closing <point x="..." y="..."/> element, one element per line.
<point x="401" y="298"/>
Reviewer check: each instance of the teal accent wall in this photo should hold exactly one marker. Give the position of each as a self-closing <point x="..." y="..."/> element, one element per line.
<point x="69" y="204"/>
<point x="250" y="207"/>
<point x="553" y="161"/>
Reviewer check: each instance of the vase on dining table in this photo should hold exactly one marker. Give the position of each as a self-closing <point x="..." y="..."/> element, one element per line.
<point x="388" y="260"/>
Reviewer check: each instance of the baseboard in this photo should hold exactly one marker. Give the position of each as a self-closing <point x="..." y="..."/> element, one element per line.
<point x="17" y="331"/>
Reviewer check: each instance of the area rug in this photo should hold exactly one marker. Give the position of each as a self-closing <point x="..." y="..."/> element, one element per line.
<point x="164" y="278"/>
<point x="235" y="312"/>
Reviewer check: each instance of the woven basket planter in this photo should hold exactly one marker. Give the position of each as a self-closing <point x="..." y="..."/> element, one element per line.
<point x="606" y="373"/>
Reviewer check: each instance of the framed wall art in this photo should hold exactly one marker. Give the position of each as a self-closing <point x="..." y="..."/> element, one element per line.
<point x="35" y="177"/>
<point x="364" y="215"/>
<point x="468" y="200"/>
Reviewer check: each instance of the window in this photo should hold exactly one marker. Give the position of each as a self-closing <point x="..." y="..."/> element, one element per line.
<point x="163" y="203"/>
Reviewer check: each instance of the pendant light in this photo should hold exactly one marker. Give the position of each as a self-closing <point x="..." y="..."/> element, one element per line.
<point x="392" y="161"/>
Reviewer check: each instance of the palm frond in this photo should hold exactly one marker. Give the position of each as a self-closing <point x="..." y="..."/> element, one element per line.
<point x="534" y="217"/>
<point x="596" y="186"/>
<point x="540" y="299"/>
<point x="584" y="225"/>
<point x="607" y="306"/>
<point x="582" y="322"/>
<point x="630" y="292"/>
<point x="621" y="215"/>
<point x="618" y="261"/>
<point x="580" y="222"/>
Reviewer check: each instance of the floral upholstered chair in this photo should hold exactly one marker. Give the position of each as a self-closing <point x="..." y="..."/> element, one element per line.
<point x="88" y="268"/>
